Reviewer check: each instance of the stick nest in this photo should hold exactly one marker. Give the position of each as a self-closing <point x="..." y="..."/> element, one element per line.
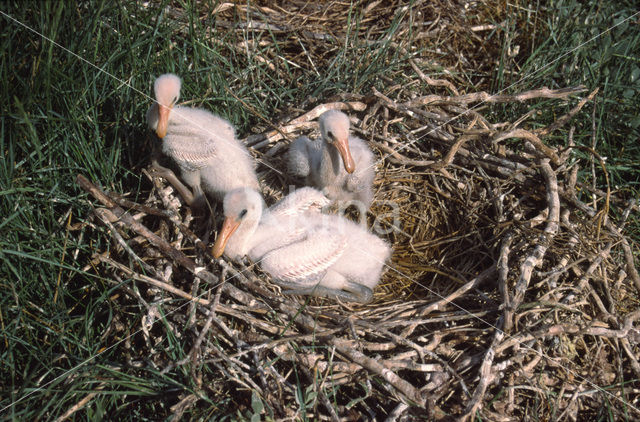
<point x="511" y="288"/>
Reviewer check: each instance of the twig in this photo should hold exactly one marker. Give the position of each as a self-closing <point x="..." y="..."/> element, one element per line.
<point x="79" y="405"/>
<point x="396" y="412"/>
<point x="304" y="121"/>
<point x="309" y="325"/>
<point x="439" y="305"/>
<point x="408" y="390"/>
<point x="503" y="272"/>
<point x="433" y="82"/>
<point x="448" y="159"/>
<point x="162" y="245"/>
<point x="501" y="98"/>
<point x="155" y="240"/>
<point x="596" y="329"/>
<point x="631" y="355"/>
<point x="535" y="259"/>
<point x="179" y="408"/>
<point x="570" y="196"/>
<point x="157" y="283"/>
<point x="487" y="376"/>
<point x="323" y="397"/>
<point x="318" y="110"/>
<point x="397" y="158"/>
<point x="531" y="137"/>
<point x="564" y="119"/>
<point x="125" y="203"/>
<point x="193" y="354"/>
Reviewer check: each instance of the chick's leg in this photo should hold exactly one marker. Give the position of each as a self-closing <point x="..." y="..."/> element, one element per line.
<point x="173" y="180"/>
<point x="332" y="285"/>
<point x="196" y="200"/>
<point x="299" y="160"/>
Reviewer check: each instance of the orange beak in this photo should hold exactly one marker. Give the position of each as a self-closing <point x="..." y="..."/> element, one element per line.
<point x="163" y="120"/>
<point x="345" y="153"/>
<point x="228" y="227"/>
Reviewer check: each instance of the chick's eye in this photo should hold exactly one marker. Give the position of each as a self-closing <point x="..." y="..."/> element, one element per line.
<point x="242" y="213"/>
<point x="330" y="135"/>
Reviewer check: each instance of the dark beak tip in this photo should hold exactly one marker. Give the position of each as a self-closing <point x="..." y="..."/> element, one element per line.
<point x="350" y="168"/>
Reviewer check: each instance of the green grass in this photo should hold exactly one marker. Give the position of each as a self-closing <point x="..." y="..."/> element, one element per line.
<point x="61" y="116"/>
<point x="594" y="44"/>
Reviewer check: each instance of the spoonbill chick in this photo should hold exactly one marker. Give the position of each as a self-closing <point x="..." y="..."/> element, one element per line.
<point x="305" y="251"/>
<point x="340" y="165"/>
<point x="203" y="145"/>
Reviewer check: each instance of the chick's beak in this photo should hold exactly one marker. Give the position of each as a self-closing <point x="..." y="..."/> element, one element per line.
<point x="163" y="120"/>
<point x="345" y="153"/>
<point x="228" y="227"/>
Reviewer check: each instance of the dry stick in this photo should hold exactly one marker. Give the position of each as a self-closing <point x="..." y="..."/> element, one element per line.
<point x="604" y="212"/>
<point x="631" y="267"/>
<point x="274" y="135"/>
<point x="80" y="404"/>
<point x="227" y="288"/>
<point x="152" y="281"/>
<point x="583" y="283"/>
<point x="433" y="82"/>
<point x="562" y="266"/>
<point x="155" y="240"/>
<point x="421" y="115"/>
<point x="323" y="397"/>
<point x="402" y="340"/>
<point x="570" y="196"/>
<point x="193" y="354"/>
<point x="632" y="357"/>
<point x="502" y="98"/>
<point x="179" y="408"/>
<point x="107" y="218"/>
<point x="506" y="172"/>
<point x="396" y="339"/>
<point x="396" y="412"/>
<point x="440" y="304"/>
<point x="564" y="119"/>
<point x="522" y="133"/>
<point x="398" y="362"/>
<point x="571" y="400"/>
<point x="631" y="205"/>
<point x="315" y="361"/>
<point x="236" y="366"/>
<point x="397" y="158"/>
<point x="305" y="121"/>
<point x="408" y="390"/>
<point x="317" y="111"/>
<point x="596" y="329"/>
<point x="165" y="248"/>
<point x="535" y="259"/>
<point x="233" y="334"/>
<point x="503" y="272"/>
<point x="487" y="375"/>
<point x="125" y="203"/>
<point x="448" y="159"/>
<point x="310" y="325"/>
